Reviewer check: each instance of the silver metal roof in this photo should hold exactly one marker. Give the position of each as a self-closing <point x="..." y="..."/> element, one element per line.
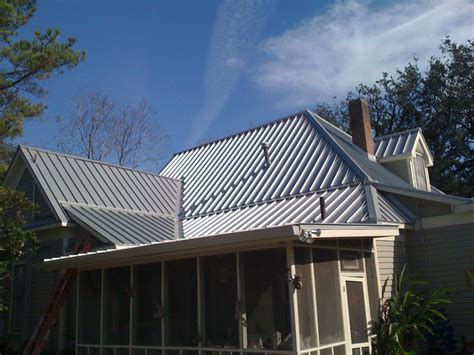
<point x="372" y="171"/>
<point x="232" y="172"/>
<point x="124" y="227"/>
<point x="401" y="143"/>
<point x="229" y="186"/>
<point x="343" y="205"/>
<point x="71" y="179"/>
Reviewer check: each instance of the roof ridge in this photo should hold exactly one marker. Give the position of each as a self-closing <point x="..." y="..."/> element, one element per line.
<point x="308" y="193"/>
<point x="287" y="117"/>
<point x="345" y="156"/>
<point x="157" y="214"/>
<point x="329" y="123"/>
<point x="21" y="146"/>
<point x="398" y="133"/>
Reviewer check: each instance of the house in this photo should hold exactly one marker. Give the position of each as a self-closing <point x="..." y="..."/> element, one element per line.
<point x="273" y="240"/>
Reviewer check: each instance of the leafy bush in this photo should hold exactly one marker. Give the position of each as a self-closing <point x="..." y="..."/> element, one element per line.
<point x="406" y="317"/>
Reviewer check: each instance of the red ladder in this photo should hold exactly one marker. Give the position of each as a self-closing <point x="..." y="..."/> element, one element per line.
<point x="53" y="309"/>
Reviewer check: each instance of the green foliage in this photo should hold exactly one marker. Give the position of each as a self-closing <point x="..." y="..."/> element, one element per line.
<point x="24" y="64"/>
<point x="406" y="317"/>
<point x="438" y="99"/>
<point x="15" y="241"/>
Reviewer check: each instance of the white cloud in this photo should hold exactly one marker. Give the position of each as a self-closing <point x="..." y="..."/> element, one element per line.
<point x="235" y="34"/>
<point x="351" y="43"/>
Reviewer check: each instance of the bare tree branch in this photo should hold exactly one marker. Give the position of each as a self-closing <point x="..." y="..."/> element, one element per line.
<point x="105" y="129"/>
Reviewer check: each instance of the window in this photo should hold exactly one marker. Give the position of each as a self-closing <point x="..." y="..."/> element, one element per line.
<point x="181" y="288"/>
<point x="90" y="283"/>
<point x="147" y="306"/>
<point x="267" y="300"/>
<point x="117" y="292"/>
<point x="18" y="298"/>
<point x="328" y="296"/>
<point x="351" y="260"/>
<point x="420" y="171"/>
<point x="306" y="311"/>
<point x="220" y="300"/>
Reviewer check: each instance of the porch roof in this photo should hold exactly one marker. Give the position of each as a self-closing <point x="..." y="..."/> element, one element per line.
<point x="228" y="242"/>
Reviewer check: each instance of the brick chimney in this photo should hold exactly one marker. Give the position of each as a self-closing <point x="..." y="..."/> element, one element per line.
<point x="360" y="125"/>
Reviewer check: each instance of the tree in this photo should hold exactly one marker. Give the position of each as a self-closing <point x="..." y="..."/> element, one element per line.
<point x="24" y="65"/>
<point x="438" y="99"/>
<point x="102" y="128"/>
<point x="15" y="241"/>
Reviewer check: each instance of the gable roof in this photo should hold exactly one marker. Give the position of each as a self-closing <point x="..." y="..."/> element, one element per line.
<point x="77" y="188"/>
<point x="400" y="145"/>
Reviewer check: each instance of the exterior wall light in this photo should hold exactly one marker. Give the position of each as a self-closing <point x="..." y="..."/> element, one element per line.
<point x="308" y="236"/>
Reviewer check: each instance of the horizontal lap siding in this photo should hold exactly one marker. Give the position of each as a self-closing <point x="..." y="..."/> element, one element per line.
<point x="391" y="257"/>
<point x="450" y="254"/>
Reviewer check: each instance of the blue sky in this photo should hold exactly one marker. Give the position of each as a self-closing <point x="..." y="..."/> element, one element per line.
<point x="212" y="68"/>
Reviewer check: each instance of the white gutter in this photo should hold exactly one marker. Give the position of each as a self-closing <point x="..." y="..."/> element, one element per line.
<point x="212" y="244"/>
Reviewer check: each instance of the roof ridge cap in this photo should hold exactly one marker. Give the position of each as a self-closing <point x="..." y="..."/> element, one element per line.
<point x="79" y="204"/>
<point x="359" y="171"/>
<point x="329" y="123"/>
<point x="398" y="133"/>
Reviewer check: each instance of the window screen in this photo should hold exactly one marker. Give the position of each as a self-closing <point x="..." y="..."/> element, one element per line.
<point x="220" y="298"/>
<point x="420" y="172"/>
<point x="90" y="283"/>
<point x="267" y="299"/>
<point x="181" y="287"/>
<point x="307" y="321"/>
<point x="328" y="296"/>
<point x="147" y="306"/>
<point x="117" y="292"/>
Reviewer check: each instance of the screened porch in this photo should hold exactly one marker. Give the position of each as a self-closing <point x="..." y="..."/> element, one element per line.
<point x="309" y="299"/>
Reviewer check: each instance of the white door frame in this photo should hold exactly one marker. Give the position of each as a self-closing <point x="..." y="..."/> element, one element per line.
<point x="355" y="277"/>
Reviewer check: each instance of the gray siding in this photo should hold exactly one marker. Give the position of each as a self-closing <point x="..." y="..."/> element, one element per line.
<point x="449" y="252"/>
<point x="391" y="257"/>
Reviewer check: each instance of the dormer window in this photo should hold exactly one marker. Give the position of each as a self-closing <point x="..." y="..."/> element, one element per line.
<point x="421" y="175"/>
<point x="406" y="154"/>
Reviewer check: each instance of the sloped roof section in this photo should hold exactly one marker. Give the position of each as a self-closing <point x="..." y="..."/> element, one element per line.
<point x="124" y="227"/>
<point x="232" y="172"/>
<point x="343" y="205"/>
<point x="401" y="144"/>
<point x="70" y="179"/>
<point x="372" y="171"/>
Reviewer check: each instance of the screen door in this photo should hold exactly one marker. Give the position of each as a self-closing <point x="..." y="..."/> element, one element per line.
<point x="357" y="315"/>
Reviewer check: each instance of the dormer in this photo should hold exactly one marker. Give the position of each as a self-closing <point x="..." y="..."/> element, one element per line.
<point x="407" y="155"/>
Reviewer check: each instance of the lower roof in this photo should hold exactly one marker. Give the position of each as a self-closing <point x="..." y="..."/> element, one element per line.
<point x="229" y="242"/>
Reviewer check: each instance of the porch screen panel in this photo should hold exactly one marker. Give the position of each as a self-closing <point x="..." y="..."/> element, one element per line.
<point x="90" y="284"/>
<point x="357" y="318"/>
<point x="307" y="321"/>
<point x="372" y="285"/>
<point x="117" y="292"/>
<point x="220" y="297"/>
<point x="181" y="288"/>
<point x="328" y="296"/>
<point x="266" y="299"/>
<point x="147" y="305"/>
